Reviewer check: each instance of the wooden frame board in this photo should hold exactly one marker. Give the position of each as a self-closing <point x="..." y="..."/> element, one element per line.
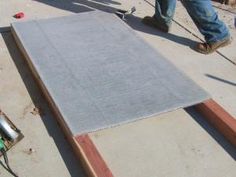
<point x="219" y="118"/>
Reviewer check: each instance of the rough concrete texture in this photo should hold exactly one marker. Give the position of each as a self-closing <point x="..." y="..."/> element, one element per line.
<point x="203" y="146"/>
<point x="100" y="74"/>
<point x="224" y="7"/>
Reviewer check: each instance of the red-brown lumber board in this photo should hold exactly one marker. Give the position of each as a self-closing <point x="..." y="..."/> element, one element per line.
<point x="219" y="118"/>
<point x="94" y="160"/>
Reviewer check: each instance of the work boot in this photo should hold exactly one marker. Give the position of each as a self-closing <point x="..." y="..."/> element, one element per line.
<point x="207" y="48"/>
<point x="153" y="22"/>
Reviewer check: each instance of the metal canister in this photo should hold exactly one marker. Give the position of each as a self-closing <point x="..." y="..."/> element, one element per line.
<point x="7" y="130"/>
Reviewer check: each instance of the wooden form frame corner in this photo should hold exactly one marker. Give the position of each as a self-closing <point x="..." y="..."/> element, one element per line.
<point x="219" y="118"/>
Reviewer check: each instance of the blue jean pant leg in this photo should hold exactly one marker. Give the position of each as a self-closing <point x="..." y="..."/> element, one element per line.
<point x="206" y="20"/>
<point x="164" y="11"/>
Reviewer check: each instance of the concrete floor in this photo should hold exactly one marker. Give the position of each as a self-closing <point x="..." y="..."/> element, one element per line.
<point x="178" y="143"/>
<point x="19" y="95"/>
<point x="170" y="145"/>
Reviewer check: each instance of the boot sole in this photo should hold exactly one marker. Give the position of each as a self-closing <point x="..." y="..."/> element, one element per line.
<point x="227" y="42"/>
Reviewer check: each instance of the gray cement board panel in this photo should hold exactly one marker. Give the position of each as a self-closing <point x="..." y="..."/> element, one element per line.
<point x="99" y="73"/>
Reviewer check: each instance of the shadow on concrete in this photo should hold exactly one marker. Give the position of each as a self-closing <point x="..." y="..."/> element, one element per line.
<point x="78" y="6"/>
<point x="229" y="148"/>
<point x="220" y="79"/>
<point x="53" y="128"/>
<point x="136" y="23"/>
<point x="5" y="29"/>
<point x="133" y="21"/>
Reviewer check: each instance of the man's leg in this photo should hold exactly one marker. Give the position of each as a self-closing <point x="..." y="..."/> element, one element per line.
<point x="206" y="19"/>
<point x="164" y="12"/>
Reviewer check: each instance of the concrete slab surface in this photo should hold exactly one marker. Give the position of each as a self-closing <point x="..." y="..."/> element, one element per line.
<point x="99" y="73"/>
<point x="203" y="151"/>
